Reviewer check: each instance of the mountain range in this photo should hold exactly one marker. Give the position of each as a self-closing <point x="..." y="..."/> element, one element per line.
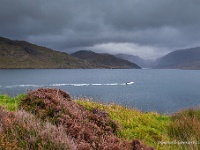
<point x="21" y="54"/>
<point x="178" y="59"/>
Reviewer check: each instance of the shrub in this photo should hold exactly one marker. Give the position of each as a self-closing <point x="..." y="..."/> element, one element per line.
<point x="90" y="129"/>
<point x="21" y="130"/>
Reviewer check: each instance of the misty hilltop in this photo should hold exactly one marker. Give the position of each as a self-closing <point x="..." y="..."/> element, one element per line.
<point x="104" y="60"/>
<point x="138" y="60"/>
<point x="180" y="59"/>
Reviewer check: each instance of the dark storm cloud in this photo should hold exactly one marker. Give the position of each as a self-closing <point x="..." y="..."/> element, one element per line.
<point x="155" y="13"/>
<point x="146" y="28"/>
<point x="26" y="18"/>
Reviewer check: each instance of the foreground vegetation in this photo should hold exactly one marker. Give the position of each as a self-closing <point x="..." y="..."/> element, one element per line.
<point x="49" y="119"/>
<point x="148" y="127"/>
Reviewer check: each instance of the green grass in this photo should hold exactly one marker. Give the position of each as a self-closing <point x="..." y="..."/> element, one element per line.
<point x="185" y="126"/>
<point x="10" y="103"/>
<point x="153" y="128"/>
<point x="149" y="127"/>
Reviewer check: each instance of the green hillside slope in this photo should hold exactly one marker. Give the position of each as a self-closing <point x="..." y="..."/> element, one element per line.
<point x="21" y="54"/>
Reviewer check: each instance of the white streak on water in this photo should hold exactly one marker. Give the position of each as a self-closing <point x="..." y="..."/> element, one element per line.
<point x="23" y="85"/>
<point x="63" y="84"/>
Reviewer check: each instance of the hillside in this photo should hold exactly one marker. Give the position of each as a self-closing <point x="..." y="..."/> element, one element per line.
<point x="181" y="59"/>
<point x="21" y="54"/>
<point x="104" y="60"/>
<point x="138" y="60"/>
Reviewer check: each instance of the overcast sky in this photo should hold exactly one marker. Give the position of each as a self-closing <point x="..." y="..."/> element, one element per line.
<point x="146" y="28"/>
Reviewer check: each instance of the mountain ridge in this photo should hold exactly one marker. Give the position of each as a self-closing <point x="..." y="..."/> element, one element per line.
<point x="104" y="60"/>
<point x="24" y="55"/>
<point x="180" y="59"/>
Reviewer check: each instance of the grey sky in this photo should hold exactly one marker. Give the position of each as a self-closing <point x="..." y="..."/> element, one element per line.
<point x="147" y="28"/>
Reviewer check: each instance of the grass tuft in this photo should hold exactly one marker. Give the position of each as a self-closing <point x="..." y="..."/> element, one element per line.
<point x="10" y="103"/>
<point x="185" y="127"/>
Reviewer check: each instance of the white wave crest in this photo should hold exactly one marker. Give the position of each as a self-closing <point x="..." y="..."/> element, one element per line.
<point x="23" y="85"/>
<point x="66" y="84"/>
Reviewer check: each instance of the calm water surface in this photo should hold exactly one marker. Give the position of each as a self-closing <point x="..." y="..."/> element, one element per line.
<point x="164" y="91"/>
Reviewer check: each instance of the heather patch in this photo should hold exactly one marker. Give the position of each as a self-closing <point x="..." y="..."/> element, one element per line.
<point x="21" y="130"/>
<point x="90" y="129"/>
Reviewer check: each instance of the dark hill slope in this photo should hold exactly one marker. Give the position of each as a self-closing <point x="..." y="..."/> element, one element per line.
<point x="181" y="59"/>
<point x="21" y="54"/>
<point x="104" y="60"/>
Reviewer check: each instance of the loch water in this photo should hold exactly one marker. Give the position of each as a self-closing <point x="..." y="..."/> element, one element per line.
<point x="160" y="90"/>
